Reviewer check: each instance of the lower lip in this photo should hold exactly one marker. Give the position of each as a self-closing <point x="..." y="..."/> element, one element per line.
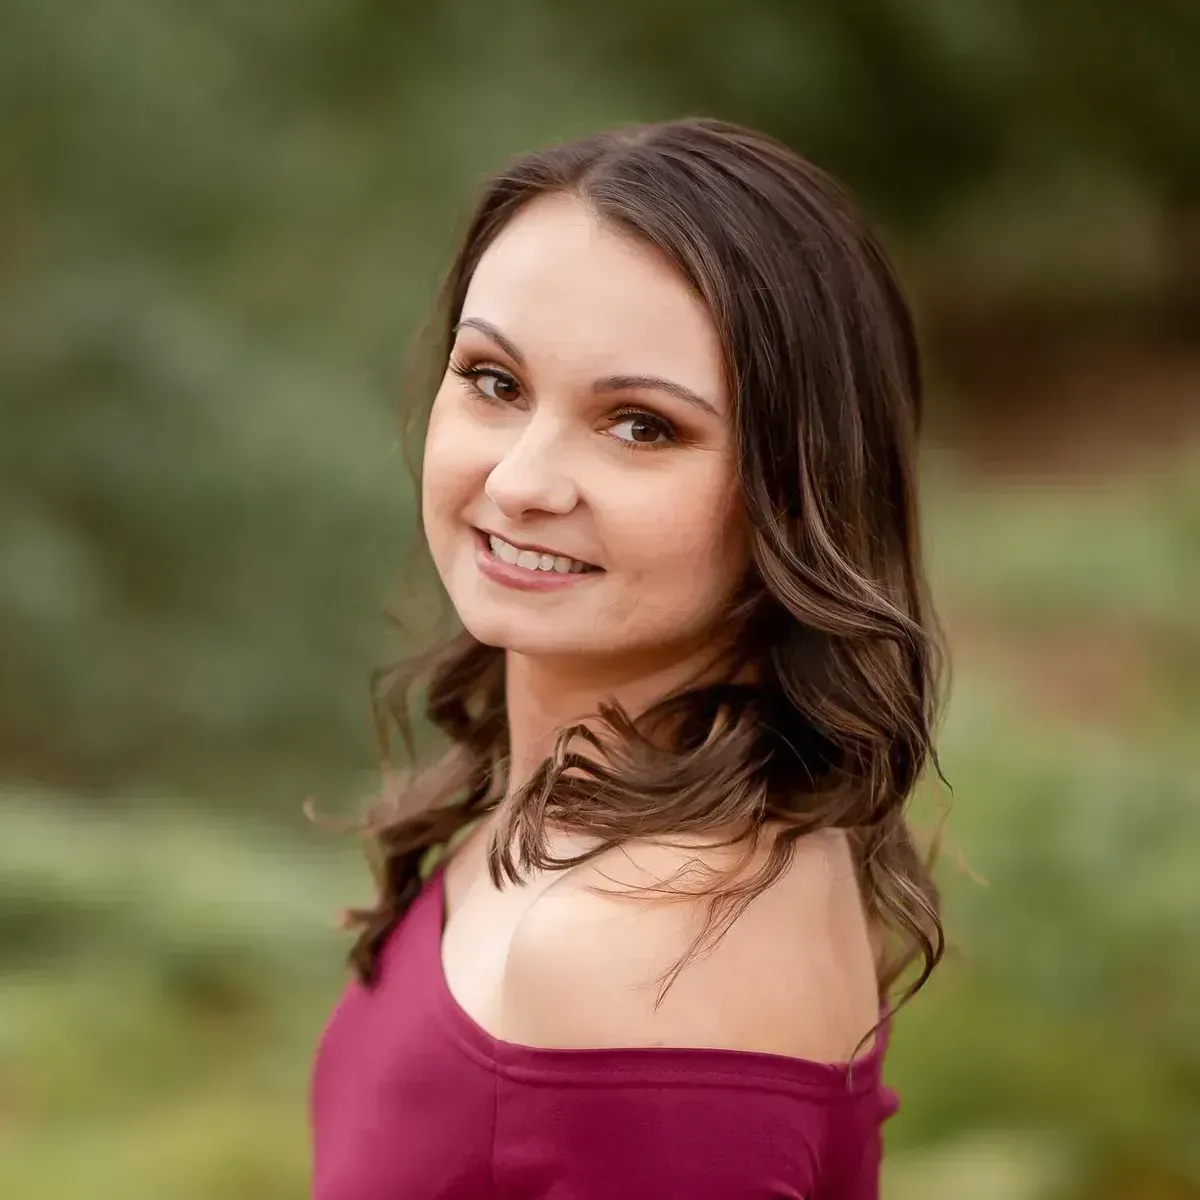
<point x="521" y="578"/>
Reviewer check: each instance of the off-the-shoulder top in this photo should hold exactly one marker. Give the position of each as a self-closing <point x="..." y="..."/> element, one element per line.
<point x="412" y="1100"/>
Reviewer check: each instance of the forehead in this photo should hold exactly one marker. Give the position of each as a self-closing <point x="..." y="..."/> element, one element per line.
<point x="575" y="294"/>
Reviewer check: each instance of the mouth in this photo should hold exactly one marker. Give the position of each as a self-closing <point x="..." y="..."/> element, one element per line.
<point x="533" y="558"/>
<point x="531" y="568"/>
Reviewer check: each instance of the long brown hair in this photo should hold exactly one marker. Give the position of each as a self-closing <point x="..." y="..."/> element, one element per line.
<point x="837" y="724"/>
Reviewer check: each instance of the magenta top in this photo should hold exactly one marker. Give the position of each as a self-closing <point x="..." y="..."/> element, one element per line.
<point x="412" y="1100"/>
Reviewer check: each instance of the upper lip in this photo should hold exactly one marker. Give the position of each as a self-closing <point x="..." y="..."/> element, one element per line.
<point x="535" y="549"/>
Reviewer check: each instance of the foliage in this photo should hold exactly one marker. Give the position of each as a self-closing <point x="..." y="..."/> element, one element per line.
<point x="167" y="971"/>
<point x="220" y="225"/>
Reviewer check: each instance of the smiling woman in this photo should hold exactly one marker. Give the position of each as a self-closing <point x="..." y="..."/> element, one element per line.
<point x="572" y="419"/>
<point x="669" y="488"/>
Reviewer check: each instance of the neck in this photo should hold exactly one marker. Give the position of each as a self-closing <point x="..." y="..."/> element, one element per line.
<point x="546" y="695"/>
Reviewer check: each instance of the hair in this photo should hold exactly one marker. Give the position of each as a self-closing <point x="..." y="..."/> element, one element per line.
<point x="833" y="724"/>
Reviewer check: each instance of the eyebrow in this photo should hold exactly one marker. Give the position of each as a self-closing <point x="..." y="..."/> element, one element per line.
<point x="610" y="383"/>
<point x="490" y="330"/>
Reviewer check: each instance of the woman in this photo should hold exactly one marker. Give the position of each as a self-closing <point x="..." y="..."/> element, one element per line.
<point x="668" y="485"/>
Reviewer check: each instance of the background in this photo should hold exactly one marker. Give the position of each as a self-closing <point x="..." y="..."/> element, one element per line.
<point x="220" y="225"/>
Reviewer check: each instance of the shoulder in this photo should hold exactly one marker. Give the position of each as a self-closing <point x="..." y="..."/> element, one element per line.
<point x="793" y="975"/>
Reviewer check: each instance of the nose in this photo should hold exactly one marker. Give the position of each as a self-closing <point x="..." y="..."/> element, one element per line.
<point x="530" y="478"/>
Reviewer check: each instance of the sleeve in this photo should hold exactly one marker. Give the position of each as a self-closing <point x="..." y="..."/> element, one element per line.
<point x="600" y="1140"/>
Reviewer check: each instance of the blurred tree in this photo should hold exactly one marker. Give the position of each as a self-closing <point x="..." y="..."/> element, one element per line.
<point x="218" y="224"/>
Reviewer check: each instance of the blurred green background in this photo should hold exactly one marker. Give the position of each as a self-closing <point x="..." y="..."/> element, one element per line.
<point x="221" y="223"/>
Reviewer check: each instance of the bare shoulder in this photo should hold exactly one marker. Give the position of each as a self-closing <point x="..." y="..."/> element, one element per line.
<point x="793" y="975"/>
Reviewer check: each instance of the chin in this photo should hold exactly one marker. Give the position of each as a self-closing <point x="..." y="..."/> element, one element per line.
<point x="528" y="636"/>
<point x="524" y="623"/>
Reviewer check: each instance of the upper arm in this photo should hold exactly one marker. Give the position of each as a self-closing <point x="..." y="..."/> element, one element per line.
<point x="792" y="976"/>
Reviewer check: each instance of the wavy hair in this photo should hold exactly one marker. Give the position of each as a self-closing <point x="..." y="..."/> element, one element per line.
<point x="835" y="725"/>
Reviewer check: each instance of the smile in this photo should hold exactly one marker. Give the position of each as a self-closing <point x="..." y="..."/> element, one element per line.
<point x="529" y="568"/>
<point x="535" y="560"/>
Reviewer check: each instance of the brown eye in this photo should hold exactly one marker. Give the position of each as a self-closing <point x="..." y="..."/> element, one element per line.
<point x="642" y="429"/>
<point x="496" y="386"/>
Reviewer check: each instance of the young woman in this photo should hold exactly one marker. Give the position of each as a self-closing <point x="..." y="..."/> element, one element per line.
<point x="668" y="485"/>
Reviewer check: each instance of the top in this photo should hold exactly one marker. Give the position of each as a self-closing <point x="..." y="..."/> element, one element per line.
<point x="411" y="1100"/>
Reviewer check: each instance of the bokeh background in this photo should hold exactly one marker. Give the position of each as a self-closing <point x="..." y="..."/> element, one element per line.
<point x="220" y="225"/>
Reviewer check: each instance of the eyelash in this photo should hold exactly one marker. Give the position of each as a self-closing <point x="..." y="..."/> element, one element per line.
<point x="469" y="375"/>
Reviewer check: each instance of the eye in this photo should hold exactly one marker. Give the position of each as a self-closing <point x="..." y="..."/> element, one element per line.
<point x="490" y="382"/>
<point x="642" y="429"/>
<point x="495" y="385"/>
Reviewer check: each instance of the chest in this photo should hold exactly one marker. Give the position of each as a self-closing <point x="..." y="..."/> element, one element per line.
<point x="479" y="923"/>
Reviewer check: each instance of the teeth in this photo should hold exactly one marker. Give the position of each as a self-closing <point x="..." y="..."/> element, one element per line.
<point x="504" y="551"/>
<point x="532" y="560"/>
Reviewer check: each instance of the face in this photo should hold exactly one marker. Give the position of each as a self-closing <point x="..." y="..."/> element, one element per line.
<point x="579" y="487"/>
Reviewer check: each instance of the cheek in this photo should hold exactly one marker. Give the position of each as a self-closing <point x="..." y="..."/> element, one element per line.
<point x="450" y="469"/>
<point x="687" y="534"/>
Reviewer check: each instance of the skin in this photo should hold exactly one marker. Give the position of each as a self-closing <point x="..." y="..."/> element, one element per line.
<point x="636" y="481"/>
<point x="538" y="435"/>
